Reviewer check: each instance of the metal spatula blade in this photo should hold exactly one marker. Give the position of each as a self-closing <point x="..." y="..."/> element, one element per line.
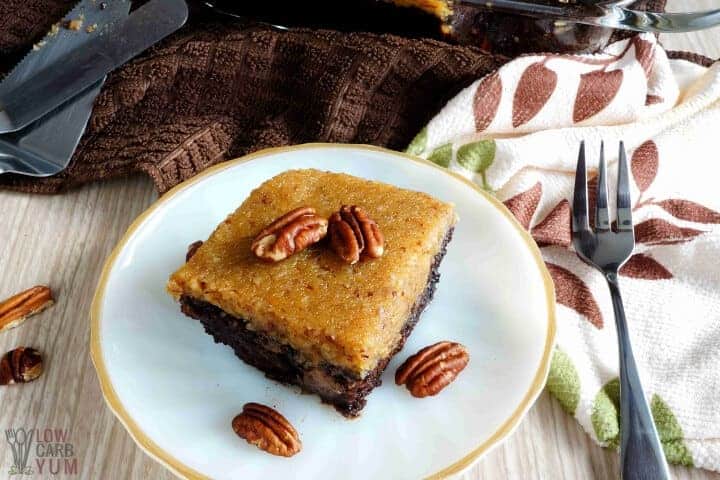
<point x="45" y="147"/>
<point x="72" y="73"/>
<point x="71" y="76"/>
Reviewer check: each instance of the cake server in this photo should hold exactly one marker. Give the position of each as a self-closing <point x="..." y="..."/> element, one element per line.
<point x="72" y="73"/>
<point x="45" y="146"/>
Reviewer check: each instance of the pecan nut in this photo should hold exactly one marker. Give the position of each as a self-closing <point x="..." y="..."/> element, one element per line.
<point x="18" y="308"/>
<point x="192" y="249"/>
<point x="21" y="365"/>
<point x="289" y="234"/>
<point x="353" y="233"/>
<point x="267" y="429"/>
<point x="432" y="368"/>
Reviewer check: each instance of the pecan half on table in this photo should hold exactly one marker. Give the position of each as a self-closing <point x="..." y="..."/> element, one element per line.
<point x="267" y="429"/>
<point x="289" y="234"/>
<point x="20" y="365"/>
<point x="353" y="233"/>
<point x="16" y="309"/>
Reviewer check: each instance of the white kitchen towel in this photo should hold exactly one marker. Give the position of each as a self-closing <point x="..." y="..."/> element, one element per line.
<point x="516" y="133"/>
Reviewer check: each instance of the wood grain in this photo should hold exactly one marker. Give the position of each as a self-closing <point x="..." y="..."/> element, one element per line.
<point x="63" y="240"/>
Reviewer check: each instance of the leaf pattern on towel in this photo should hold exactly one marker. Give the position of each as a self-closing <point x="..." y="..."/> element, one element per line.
<point x="605" y="419"/>
<point x="555" y="228"/>
<point x="564" y="381"/>
<point x="644" y="165"/>
<point x="523" y="205"/>
<point x="689" y="211"/>
<point x="653" y="99"/>
<point x="486" y="101"/>
<point x="644" y="53"/>
<point x="442" y="155"/>
<point x="670" y="433"/>
<point x="605" y="415"/>
<point x="644" y="267"/>
<point x="595" y="92"/>
<point x="592" y="192"/>
<point x="572" y="292"/>
<point x="477" y="157"/>
<point x="534" y="89"/>
<point x="657" y="231"/>
<point x="418" y="144"/>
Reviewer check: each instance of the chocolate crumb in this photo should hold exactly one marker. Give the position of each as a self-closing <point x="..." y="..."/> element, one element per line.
<point x="75" y="24"/>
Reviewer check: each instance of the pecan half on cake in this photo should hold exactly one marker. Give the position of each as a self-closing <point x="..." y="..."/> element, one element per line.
<point x="313" y="319"/>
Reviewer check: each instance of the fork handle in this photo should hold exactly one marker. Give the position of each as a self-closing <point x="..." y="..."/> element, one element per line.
<point x="641" y="453"/>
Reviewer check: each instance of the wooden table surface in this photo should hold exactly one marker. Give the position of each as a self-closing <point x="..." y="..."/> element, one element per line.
<point x="62" y="241"/>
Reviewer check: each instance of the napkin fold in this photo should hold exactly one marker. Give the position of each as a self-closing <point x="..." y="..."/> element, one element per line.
<point x="516" y="133"/>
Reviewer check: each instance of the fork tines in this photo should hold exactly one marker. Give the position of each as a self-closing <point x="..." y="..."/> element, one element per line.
<point x="580" y="208"/>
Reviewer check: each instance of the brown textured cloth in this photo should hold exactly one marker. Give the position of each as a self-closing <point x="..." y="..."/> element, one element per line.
<point x="215" y="91"/>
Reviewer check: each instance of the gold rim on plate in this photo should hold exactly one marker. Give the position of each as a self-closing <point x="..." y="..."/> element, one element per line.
<point x="182" y="470"/>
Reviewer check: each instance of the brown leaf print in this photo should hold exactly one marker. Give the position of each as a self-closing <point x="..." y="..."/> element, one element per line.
<point x="592" y="185"/>
<point x="487" y="101"/>
<point x="644" y="267"/>
<point x="555" y="229"/>
<point x="653" y="99"/>
<point x="523" y="205"/>
<point x="595" y="92"/>
<point x="644" y="53"/>
<point x="534" y="89"/>
<point x="572" y="292"/>
<point x="657" y="231"/>
<point x="689" y="211"/>
<point x="644" y="164"/>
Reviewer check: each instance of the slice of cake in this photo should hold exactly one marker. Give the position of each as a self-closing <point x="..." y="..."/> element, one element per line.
<point x="314" y="319"/>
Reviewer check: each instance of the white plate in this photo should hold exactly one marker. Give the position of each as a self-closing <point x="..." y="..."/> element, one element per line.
<point x="176" y="391"/>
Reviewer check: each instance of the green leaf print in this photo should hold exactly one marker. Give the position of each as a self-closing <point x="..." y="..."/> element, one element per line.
<point x="442" y="155"/>
<point x="605" y="415"/>
<point x="564" y="381"/>
<point x="606" y="423"/>
<point x="418" y="144"/>
<point x="671" y="434"/>
<point x="477" y="156"/>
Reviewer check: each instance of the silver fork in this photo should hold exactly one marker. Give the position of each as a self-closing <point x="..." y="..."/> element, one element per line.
<point x="641" y="454"/>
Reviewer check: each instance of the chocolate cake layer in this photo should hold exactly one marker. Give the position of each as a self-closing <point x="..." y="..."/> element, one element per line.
<point x="333" y="384"/>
